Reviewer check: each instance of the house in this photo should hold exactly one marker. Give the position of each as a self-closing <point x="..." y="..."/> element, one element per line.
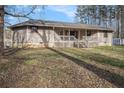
<point x="44" y="33"/>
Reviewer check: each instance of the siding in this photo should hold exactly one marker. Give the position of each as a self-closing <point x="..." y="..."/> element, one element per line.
<point x="105" y="40"/>
<point x="41" y="37"/>
<point x="45" y="37"/>
<point x="20" y="37"/>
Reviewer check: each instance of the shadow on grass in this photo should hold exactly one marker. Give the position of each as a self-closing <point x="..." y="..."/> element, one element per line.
<point x="113" y="78"/>
<point x="10" y="51"/>
<point x="98" y="58"/>
<point x="117" y="49"/>
<point x="107" y="60"/>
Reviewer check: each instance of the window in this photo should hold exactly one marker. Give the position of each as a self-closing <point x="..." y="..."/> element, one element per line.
<point x="88" y="33"/>
<point x="105" y="34"/>
<point x="34" y="29"/>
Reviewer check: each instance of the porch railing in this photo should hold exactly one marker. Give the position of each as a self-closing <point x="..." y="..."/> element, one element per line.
<point x="73" y="38"/>
<point x="90" y="38"/>
<point x="65" y="38"/>
<point x="68" y="41"/>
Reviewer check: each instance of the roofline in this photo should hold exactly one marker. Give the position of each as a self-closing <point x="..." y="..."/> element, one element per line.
<point x="102" y="28"/>
<point x="64" y="27"/>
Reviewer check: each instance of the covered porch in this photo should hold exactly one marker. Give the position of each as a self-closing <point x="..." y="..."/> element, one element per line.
<point x="68" y="37"/>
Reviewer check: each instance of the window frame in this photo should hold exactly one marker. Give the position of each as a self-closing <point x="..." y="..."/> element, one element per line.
<point x="34" y="29"/>
<point x="105" y="35"/>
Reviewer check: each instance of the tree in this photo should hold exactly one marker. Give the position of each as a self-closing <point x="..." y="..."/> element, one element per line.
<point x="1" y="29"/>
<point x="104" y="15"/>
<point x="18" y="12"/>
<point x="98" y="14"/>
<point x="81" y="13"/>
<point x="86" y="13"/>
<point x="121" y="21"/>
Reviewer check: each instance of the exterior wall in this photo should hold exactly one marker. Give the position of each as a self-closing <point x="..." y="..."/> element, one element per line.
<point x="24" y="37"/>
<point x="19" y="37"/>
<point x="104" y="40"/>
<point x="94" y="33"/>
<point x="92" y="41"/>
<point x="46" y="37"/>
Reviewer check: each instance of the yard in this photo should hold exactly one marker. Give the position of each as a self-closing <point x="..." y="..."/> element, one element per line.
<point x="65" y="67"/>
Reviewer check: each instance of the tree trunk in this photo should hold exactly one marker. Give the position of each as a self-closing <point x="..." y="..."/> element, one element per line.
<point x="117" y="25"/>
<point x="122" y="23"/>
<point x="1" y="30"/>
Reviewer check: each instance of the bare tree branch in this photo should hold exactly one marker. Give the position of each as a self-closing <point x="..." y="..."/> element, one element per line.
<point x="21" y="15"/>
<point x="7" y="23"/>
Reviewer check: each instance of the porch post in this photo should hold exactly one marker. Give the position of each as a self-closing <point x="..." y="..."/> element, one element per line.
<point x="86" y="38"/>
<point x="53" y="36"/>
<point x="63" y="38"/>
<point x="78" y="38"/>
<point x="69" y="37"/>
<point x="85" y="33"/>
<point x="98" y="37"/>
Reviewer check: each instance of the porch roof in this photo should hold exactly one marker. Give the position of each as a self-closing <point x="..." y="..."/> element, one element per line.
<point x="47" y="23"/>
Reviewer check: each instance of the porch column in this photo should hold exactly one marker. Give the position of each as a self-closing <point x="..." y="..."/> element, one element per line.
<point x="98" y="37"/>
<point x="78" y="38"/>
<point x="53" y="36"/>
<point x="69" y="37"/>
<point x="63" y="38"/>
<point x="85" y="33"/>
<point x="86" y="38"/>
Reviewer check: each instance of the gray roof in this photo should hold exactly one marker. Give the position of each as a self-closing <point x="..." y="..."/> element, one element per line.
<point x="59" y="24"/>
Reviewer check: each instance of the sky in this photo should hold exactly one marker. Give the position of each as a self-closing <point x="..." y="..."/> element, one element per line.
<point x="60" y="13"/>
<point x="64" y="13"/>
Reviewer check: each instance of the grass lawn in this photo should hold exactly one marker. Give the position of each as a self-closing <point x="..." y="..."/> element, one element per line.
<point x="65" y="67"/>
